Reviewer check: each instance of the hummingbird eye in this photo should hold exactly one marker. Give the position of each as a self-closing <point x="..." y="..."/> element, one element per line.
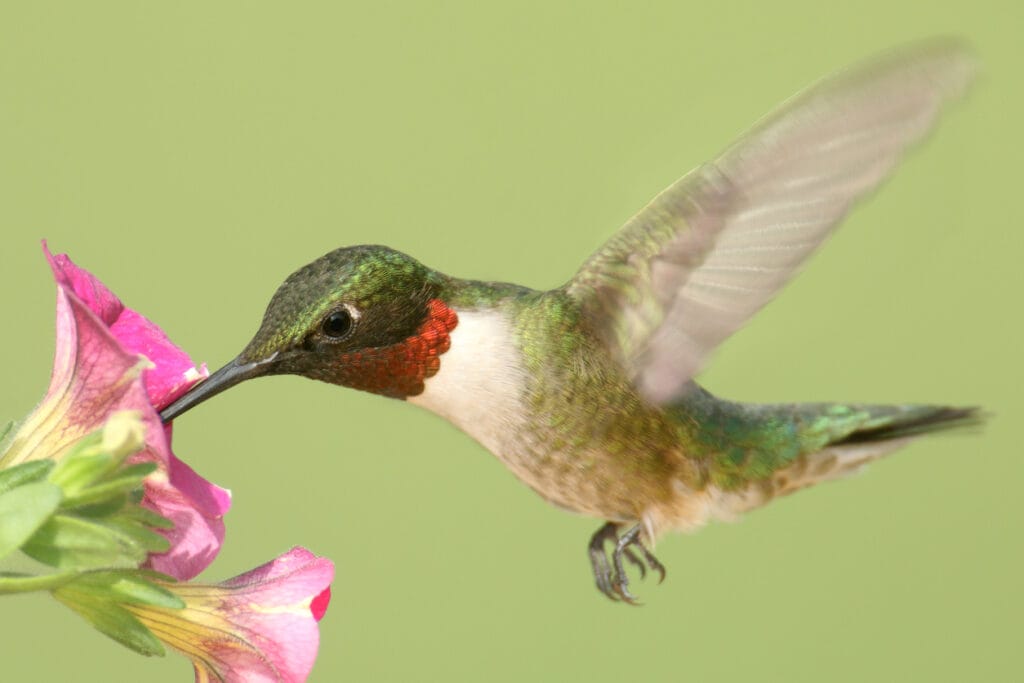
<point x="337" y="324"/>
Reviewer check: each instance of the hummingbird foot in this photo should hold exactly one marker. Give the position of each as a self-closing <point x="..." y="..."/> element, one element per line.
<point x="610" y="576"/>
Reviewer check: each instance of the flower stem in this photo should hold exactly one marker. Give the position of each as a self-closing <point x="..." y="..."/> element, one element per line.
<point x="27" y="584"/>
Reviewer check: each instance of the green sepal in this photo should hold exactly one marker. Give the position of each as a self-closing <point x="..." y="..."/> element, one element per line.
<point x="80" y="469"/>
<point x="126" y="586"/>
<point x="68" y="542"/>
<point x="126" y="479"/>
<point x="106" y="508"/>
<point x="5" y="432"/>
<point x="145" y="517"/>
<point x="146" y="538"/>
<point x="139" y="470"/>
<point x="154" y="575"/>
<point x="15" y="582"/>
<point x="24" y="511"/>
<point x="26" y="472"/>
<point x="110" y="619"/>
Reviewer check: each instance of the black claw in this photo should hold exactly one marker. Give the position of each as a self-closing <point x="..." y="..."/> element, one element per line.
<point x="636" y="562"/>
<point x="610" y="577"/>
<point x="653" y="563"/>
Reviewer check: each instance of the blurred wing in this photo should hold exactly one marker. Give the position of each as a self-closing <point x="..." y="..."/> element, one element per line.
<point x="707" y="253"/>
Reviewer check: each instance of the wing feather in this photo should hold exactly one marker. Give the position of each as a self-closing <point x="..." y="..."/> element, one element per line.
<point x="707" y="253"/>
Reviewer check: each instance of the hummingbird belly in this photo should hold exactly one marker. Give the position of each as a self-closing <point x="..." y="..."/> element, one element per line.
<point x="567" y="438"/>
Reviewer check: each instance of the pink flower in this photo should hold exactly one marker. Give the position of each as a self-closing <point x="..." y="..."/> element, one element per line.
<point x="260" y="626"/>
<point x="173" y="372"/>
<point x="97" y="371"/>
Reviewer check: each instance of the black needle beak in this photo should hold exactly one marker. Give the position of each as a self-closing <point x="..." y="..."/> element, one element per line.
<point x="225" y="378"/>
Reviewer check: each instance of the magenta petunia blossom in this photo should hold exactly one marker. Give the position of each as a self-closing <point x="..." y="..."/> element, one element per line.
<point x="259" y="626"/>
<point x="114" y="370"/>
<point x="173" y="372"/>
<point x="98" y="371"/>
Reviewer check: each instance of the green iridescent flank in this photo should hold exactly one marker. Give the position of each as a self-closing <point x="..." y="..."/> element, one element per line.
<point x="587" y="414"/>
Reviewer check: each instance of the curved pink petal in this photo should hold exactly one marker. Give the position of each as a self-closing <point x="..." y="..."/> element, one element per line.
<point x="92" y="378"/>
<point x="86" y="287"/>
<point x="195" y="506"/>
<point x="210" y="498"/>
<point x="260" y="626"/>
<point x="291" y="580"/>
<point x="196" y="537"/>
<point x="173" y="372"/>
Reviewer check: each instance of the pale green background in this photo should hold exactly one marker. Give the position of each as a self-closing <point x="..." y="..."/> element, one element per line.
<point x="193" y="154"/>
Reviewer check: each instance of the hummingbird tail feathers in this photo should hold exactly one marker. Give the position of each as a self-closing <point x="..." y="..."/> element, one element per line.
<point x="838" y="441"/>
<point x="897" y="422"/>
<point x="870" y="432"/>
<point x="882" y="430"/>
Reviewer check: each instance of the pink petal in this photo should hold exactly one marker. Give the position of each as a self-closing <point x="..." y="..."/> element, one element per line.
<point x="86" y="287"/>
<point x="212" y="499"/>
<point x="290" y="638"/>
<point x="296" y="558"/>
<point x="194" y="505"/>
<point x="260" y="626"/>
<point x="92" y="378"/>
<point x="198" y="531"/>
<point x="174" y="372"/>
<point x="196" y="537"/>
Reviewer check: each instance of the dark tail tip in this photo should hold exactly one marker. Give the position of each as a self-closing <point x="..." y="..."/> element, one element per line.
<point x="920" y="421"/>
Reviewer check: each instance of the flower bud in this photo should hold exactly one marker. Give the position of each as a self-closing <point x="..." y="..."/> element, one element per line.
<point x="123" y="434"/>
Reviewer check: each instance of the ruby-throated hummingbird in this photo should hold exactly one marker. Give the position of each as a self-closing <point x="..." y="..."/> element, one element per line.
<point x="586" y="391"/>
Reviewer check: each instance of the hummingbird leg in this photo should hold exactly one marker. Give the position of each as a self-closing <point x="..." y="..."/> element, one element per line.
<point x="610" y="576"/>
<point x="632" y="537"/>
<point x="621" y="583"/>
<point x="599" y="559"/>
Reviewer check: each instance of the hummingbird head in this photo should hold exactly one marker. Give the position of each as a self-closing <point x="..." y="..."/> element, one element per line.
<point x="366" y="317"/>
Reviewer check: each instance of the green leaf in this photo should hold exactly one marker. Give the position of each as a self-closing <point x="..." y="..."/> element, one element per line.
<point x="110" y="619"/>
<point x="126" y="587"/>
<point x="23" y="511"/>
<point x="68" y="542"/>
<point x="26" y="472"/>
